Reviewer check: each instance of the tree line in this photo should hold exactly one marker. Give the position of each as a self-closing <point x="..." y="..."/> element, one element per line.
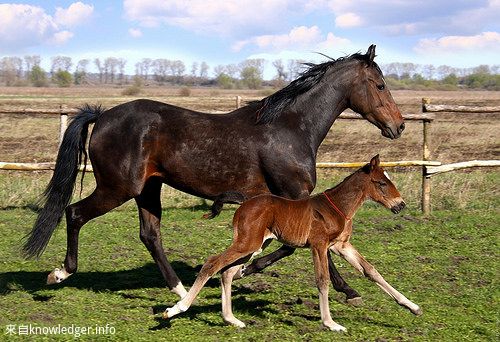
<point x="26" y="71"/>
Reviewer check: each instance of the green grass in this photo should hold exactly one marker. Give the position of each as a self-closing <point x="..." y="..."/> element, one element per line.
<point x="446" y="263"/>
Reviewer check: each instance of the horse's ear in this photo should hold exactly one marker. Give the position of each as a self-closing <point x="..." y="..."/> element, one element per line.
<point x="375" y="162"/>
<point x="370" y="54"/>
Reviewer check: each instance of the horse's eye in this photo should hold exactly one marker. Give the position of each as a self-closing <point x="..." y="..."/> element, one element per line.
<point x="381" y="86"/>
<point x="382" y="183"/>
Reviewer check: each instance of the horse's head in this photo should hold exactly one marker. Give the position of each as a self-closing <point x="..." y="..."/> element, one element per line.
<point x="380" y="188"/>
<point x="371" y="98"/>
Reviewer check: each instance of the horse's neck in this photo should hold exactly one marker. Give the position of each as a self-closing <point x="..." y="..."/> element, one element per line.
<point x="318" y="109"/>
<point x="349" y="195"/>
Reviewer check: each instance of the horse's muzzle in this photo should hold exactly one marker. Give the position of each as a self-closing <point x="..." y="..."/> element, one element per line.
<point x="393" y="132"/>
<point x="398" y="207"/>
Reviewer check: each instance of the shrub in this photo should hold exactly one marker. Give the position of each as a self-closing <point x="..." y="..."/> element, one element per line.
<point x="185" y="91"/>
<point x="38" y="77"/>
<point x="62" y="78"/>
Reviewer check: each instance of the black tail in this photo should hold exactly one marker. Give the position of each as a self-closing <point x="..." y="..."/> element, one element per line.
<point x="60" y="189"/>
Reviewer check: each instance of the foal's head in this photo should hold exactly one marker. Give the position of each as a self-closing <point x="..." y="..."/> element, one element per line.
<point x="380" y="189"/>
<point x="371" y="98"/>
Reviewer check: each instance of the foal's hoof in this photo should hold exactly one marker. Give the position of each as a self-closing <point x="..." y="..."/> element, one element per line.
<point x="235" y="322"/>
<point x="417" y="312"/>
<point x="334" y="326"/>
<point x="57" y="276"/>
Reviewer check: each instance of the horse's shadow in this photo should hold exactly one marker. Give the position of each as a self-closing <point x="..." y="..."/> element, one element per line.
<point x="146" y="276"/>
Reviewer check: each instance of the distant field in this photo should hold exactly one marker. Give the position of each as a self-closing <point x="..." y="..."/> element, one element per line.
<point x="454" y="137"/>
<point x="447" y="262"/>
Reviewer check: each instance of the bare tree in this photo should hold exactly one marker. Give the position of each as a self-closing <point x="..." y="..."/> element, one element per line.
<point x="142" y="68"/>
<point x="100" y="69"/>
<point x="30" y="62"/>
<point x="110" y="66"/>
<point x="80" y="75"/>
<point x="121" y="69"/>
<point x="160" y="68"/>
<point x="60" y="63"/>
<point x="194" y="69"/>
<point x="281" y="74"/>
<point x="204" y="70"/>
<point x="295" y="67"/>
<point x="8" y="70"/>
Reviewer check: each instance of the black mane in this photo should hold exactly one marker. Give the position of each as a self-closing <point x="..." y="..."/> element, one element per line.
<point x="273" y="105"/>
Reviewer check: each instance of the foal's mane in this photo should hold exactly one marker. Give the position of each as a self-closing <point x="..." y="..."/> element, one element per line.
<point x="273" y="105"/>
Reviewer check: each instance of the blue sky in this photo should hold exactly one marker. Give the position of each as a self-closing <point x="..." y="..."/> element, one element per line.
<point x="458" y="33"/>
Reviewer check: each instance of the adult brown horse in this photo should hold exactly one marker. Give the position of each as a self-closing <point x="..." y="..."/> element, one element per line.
<point x="268" y="146"/>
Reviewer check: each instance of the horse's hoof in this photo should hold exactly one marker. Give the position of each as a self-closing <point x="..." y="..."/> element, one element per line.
<point x="57" y="276"/>
<point x="356" y="301"/>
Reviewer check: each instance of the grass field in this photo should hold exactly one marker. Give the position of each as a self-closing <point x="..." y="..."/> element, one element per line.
<point x="447" y="263"/>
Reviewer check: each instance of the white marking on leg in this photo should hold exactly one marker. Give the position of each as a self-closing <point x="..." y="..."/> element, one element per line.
<point x="179" y="290"/>
<point x="57" y="276"/>
<point x="175" y="310"/>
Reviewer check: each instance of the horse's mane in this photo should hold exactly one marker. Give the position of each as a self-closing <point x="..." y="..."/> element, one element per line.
<point x="272" y="106"/>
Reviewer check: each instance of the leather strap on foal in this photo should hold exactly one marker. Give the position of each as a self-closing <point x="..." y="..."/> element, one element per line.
<point x="335" y="207"/>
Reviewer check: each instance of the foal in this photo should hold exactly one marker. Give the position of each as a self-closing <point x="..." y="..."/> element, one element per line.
<point x="320" y="222"/>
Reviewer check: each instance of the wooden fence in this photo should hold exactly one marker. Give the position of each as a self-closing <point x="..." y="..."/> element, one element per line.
<point x="429" y="167"/>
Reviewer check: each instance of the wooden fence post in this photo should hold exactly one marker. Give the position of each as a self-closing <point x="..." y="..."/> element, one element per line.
<point x="426" y="180"/>
<point x="63" y="123"/>
<point x="238" y="101"/>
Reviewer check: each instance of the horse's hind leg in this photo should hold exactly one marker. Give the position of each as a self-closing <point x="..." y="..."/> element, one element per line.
<point x="149" y="206"/>
<point x="98" y="203"/>
<point x="340" y="285"/>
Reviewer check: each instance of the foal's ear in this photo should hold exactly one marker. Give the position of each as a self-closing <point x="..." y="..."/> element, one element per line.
<point x="375" y="162"/>
<point x="370" y="54"/>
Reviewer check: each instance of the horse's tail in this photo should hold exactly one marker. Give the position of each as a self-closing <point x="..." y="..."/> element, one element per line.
<point x="60" y="189"/>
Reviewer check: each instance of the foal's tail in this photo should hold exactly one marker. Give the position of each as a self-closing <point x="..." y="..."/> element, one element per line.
<point x="60" y="189"/>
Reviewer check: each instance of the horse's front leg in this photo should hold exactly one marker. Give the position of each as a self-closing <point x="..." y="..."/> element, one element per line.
<point x="352" y="256"/>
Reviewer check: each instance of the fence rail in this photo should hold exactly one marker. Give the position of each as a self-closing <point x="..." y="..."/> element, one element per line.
<point x="429" y="167"/>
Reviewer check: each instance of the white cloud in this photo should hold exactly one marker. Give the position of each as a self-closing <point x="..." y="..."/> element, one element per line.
<point x="135" y="33"/>
<point x="236" y="18"/>
<point x="299" y="38"/>
<point x="61" y="37"/>
<point x="486" y="41"/>
<point x="26" y="25"/>
<point x="348" y="20"/>
<point x="74" y="15"/>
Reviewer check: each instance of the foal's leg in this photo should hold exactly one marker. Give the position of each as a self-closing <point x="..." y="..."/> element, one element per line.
<point x="227" y="311"/>
<point x="98" y="203"/>
<point x="321" y="272"/>
<point x="351" y="255"/>
<point x="213" y="265"/>
<point x="339" y="284"/>
<point x="149" y="206"/>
